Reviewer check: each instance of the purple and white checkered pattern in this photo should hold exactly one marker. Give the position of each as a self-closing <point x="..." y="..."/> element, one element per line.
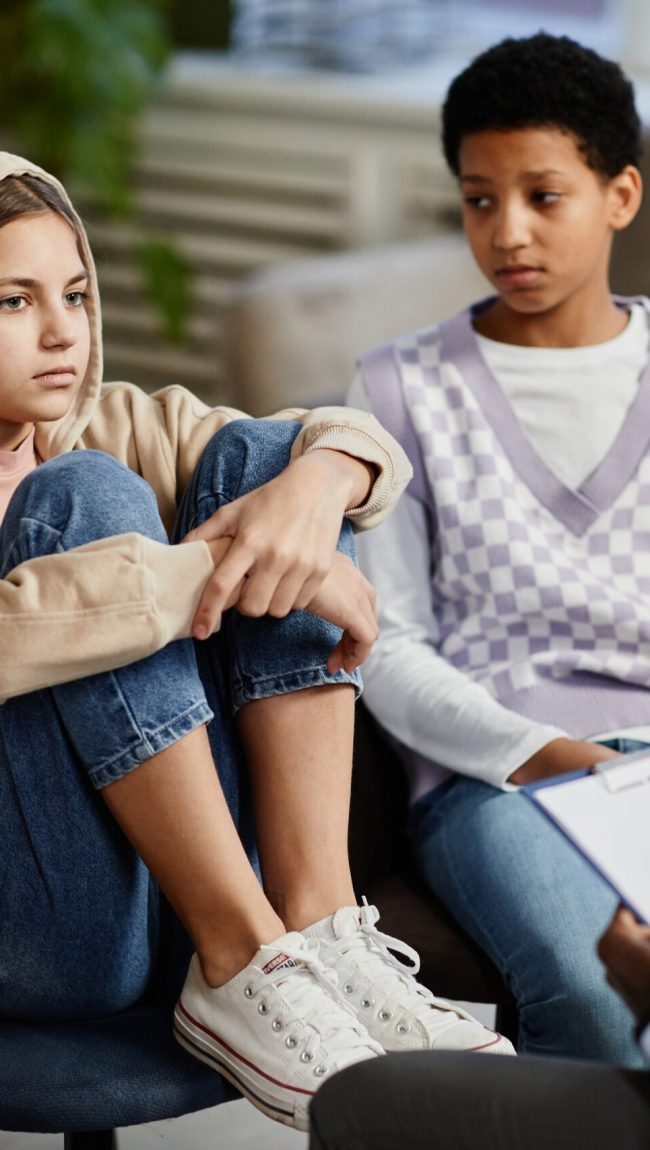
<point x="518" y="595"/>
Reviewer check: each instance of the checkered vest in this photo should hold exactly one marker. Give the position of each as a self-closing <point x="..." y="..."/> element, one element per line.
<point x="539" y="592"/>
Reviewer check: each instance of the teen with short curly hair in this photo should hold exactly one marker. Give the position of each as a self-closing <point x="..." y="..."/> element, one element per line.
<point x="546" y="81"/>
<point x="514" y="611"/>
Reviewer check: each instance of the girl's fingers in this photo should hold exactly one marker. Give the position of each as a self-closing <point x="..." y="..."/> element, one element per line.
<point x="221" y="591"/>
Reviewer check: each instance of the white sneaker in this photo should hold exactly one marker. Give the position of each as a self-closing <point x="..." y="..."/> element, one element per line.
<point x="276" y="1030"/>
<point x="396" y="1010"/>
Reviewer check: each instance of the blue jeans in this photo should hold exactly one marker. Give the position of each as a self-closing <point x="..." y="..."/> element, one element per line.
<point x="535" y="906"/>
<point x="84" y="929"/>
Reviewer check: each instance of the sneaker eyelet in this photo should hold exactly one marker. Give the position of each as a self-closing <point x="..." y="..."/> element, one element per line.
<point x="291" y="1041"/>
<point x="248" y="992"/>
<point x="306" y="1056"/>
<point x="277" y="1024"/>
<point x="348" y="988"/>
<point x="320" y="1071"/>
<point x="366" y="1003"/>
<point x="385" y="1015"/>
<point x="262" y="1008"/>
<point x="403" y="1027"/>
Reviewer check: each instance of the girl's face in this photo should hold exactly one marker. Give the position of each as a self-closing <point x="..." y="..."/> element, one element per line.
<point x="44" y="329"/>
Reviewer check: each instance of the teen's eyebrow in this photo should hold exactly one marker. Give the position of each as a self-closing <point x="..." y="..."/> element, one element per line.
<point x="533" y="174"/>
<point x="20" y="281"/>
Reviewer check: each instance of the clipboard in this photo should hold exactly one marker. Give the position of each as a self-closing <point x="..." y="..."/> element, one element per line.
<point x="605" y="813"/>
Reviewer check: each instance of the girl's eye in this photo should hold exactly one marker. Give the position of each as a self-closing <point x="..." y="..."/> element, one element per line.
<point x="546" y="197"/>
<point x="13" y="303"/>
<point x="480" y="202"/>
<point x="76" y="298"/>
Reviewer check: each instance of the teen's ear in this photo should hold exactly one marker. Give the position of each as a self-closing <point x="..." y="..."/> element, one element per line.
<point x="626" y="192"/>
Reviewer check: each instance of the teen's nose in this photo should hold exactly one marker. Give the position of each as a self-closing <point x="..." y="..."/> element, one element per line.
<point x="58" y="328"/>
<point x="511" y="226"/>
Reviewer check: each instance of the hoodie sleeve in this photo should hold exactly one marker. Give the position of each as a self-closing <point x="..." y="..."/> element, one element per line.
<point x="94" y="608"/>
<point x="162" y="436"/>
<point x="190" y="424"/>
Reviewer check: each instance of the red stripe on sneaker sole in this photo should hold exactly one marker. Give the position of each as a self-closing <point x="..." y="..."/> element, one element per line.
<point x="212" y="1059"/>
<point x="235" y="1053"/>
<point x="486" y="1045"/>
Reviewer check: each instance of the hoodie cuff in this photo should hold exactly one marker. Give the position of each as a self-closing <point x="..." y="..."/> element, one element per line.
<point x="359" y="435"/>
<point x="179" y="574"/>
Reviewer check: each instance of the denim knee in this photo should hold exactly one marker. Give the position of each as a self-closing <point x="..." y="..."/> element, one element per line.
<point x="241" y="456"/>
<point x="74" y="499"/>
<point x="247" y="453"/>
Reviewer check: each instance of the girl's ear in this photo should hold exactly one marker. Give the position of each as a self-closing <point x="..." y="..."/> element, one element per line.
<point x="626" y="192"/>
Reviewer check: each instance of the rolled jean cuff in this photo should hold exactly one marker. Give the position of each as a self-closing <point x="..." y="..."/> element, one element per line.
<point x="150" y="743"/>
<point x="276" y="656"/>
<point x="248" y="690"/>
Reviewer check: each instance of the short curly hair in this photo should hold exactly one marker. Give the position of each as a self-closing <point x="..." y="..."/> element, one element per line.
<point x="546" y="81"/>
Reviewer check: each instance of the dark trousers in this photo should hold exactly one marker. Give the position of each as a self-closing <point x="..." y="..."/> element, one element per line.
<point x="428" y="1101"/>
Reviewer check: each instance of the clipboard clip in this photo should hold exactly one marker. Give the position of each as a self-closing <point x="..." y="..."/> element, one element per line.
<point x="620" y="774"/>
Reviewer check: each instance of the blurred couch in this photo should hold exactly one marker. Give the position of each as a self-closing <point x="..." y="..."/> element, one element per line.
<point x="292" y="332"/>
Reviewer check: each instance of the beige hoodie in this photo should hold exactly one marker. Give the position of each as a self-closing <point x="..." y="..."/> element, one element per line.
<point x="72" y="614"/>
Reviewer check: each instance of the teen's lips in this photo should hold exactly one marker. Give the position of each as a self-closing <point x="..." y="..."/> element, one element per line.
<point x="518" y="276"/>
<point x="58" y="376"/>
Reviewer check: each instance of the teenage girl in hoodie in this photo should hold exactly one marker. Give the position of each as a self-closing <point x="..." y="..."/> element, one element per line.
<point x="105" y="694"/>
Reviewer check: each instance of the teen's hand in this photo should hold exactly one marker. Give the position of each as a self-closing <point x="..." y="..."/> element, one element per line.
<point x="625" y="951"/>
<point x="560" y="757"/>
<point x="282" y="538"/>
<point x="346" y="598"/>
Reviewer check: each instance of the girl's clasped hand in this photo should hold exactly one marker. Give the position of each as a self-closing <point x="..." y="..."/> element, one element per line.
<point x="274" y="551"/>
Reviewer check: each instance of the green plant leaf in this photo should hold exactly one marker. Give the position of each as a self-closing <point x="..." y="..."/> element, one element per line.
<point x="168" y="279"/>
<point x="75" y="79"/>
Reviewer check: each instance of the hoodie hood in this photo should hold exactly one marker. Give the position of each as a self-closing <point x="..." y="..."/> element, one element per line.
<point x="54" y="438"/>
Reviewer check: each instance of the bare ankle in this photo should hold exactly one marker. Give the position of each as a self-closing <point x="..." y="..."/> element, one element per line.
<point x="220" y="963"/>
<point x="298" y="913"/>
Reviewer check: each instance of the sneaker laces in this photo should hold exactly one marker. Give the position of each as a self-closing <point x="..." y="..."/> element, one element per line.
<point x="309" y="989"/>
<point x="393" y="977"/>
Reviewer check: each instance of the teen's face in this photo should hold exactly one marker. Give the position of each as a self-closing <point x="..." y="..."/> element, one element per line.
<point x="44" y="330"/>
<point x="539" y="221"/>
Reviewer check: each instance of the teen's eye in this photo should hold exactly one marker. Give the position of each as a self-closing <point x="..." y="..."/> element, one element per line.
<point x="76" y="298"/>
<point x="479" y="202"/>
<point x="13" y="303"/>
<point x="546" y="197"/>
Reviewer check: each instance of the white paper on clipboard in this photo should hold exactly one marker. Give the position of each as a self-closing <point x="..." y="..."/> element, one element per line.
<point x="606" y="814"/>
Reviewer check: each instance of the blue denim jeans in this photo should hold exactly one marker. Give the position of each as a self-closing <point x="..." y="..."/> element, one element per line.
<point x="84" y="929"/>
<point x="535" y="906"/>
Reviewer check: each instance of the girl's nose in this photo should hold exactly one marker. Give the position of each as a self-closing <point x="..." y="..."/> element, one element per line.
<point x="58" y="329"/>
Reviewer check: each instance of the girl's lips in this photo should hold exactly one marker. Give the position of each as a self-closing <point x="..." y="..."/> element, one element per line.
<point x="521" y="277"/>
<point x="61" y="377"/>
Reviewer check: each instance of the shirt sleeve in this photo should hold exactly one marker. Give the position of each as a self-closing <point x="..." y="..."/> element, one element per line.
<point x="417" y="696"/>
<point x="75" y="613"/>
<point x="163" y="435"/>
